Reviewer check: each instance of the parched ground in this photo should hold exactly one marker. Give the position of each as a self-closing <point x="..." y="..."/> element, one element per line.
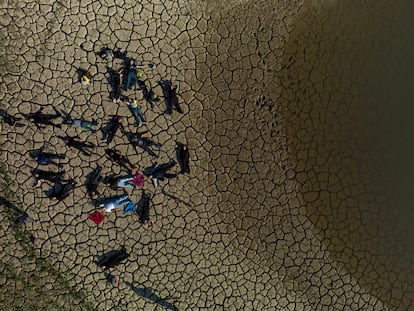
<point x="286" y="207"/>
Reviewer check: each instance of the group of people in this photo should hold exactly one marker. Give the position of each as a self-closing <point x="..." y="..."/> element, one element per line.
<point x="125" y="78"/>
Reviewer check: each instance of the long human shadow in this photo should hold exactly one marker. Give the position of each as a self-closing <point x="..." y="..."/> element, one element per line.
<point x="112" y="258"/>
<point x="22" y="215"/>
<point x="176" y="198"/>
<point x="148" y="294"/>
<point x="139" y="207"/>
<point x="6" y="203"/>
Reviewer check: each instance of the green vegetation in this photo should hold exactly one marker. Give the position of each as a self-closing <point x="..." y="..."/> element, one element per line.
<point x="28" y="281"/>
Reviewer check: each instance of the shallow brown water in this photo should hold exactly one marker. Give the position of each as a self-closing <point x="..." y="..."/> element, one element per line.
<point x="347" y="70"/>
<point x="309" y="123"/>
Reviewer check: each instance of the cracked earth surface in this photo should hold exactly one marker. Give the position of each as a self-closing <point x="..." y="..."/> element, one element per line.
<point x="281" y="210"/>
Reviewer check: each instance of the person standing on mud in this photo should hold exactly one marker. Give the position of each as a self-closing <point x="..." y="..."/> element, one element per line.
<point x="173" y="100"/>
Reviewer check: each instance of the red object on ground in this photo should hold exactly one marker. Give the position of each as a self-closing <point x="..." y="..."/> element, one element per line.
<point x="139" y="180"/>
<point x="97" y="217"/>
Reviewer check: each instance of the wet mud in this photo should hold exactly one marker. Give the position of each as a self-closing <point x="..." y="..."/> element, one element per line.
<point x="346" y="102"/>
<point x="307" y="135"/>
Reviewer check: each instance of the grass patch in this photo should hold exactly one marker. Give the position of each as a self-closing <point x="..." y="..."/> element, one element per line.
<point x="28" y="281"/>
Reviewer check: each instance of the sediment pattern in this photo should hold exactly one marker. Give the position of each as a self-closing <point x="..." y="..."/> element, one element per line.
<point x="241" y="231"/>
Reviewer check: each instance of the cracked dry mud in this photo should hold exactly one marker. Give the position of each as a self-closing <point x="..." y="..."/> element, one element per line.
<point x="290" y="204"/>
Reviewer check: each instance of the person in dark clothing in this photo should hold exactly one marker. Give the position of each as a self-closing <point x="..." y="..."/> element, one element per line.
<point x="93" y="181"/>
<point x="116" y="157"/>
<point x="174" y="104"/>
<point x="116" y="80"/>
<point x="23" y="219"/>
<point x="183" y="157"/>
<point x="113" y="258"/>
<point x="128" y="181"/>
<point x="112" y="181"/>
<point x="111" y="128"/>
<point x="41" y="120"/>
<point x="106" y="54"/>
<point x="109" y="54"/>
<point x="9" y="119"/>
<point x="23" y="216"/>
<point x="40" y="175"/>
<point x="157" y="170"/>
<point x="170" y="95"/>
<point x="83" y="124"/>
<point x="148" y="93"/>
<point x="77" y="144"/>
<point x="130" y="75"/>
<point x="46" y="158"/>
<point x="160" y="172"/>
<point x="121" y="54"/>
<point x="144" y="205"/>
<point x="139" y="140"/>
<point x="62" y="190"/>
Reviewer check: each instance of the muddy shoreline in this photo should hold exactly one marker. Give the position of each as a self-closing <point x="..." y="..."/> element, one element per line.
<point x="310" y="125"/>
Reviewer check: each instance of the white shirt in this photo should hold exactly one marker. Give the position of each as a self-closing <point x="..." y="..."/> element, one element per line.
<point x="109" y="207"/>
